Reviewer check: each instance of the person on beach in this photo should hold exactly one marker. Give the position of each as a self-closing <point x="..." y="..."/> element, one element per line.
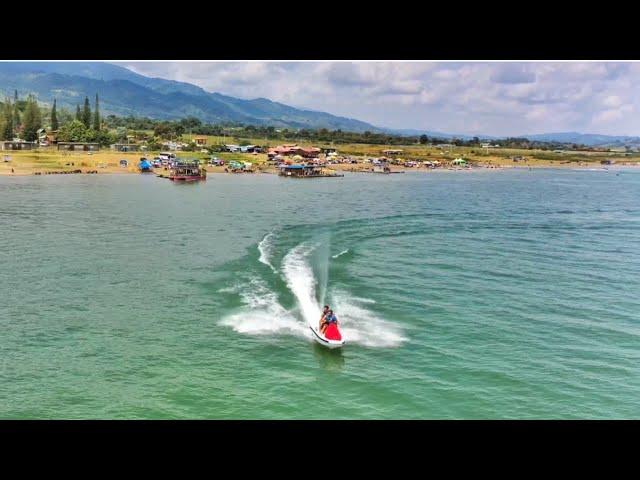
<point x="325" y="310"/>
<point x="329" y="318"/>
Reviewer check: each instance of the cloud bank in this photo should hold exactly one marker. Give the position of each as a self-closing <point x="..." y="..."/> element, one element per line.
<point x="493" y="98"/>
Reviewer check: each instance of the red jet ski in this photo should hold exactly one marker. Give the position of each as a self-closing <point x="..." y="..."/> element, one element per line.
<point x="332" y="337"/>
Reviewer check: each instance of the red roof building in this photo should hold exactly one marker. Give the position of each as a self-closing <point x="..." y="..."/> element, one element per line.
<point x="286" y="150"/>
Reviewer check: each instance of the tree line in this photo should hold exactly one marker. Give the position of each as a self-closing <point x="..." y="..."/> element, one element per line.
<point x="174" y="129"/>
<point x="24" y="118"/>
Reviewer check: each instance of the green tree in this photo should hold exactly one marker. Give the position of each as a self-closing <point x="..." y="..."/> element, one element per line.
<point x="16" y="111"/>
<point x="163" y="130"/>
<point x="32" y="120"/>
<point x="86" y="113"/>
<point x="96" y="116"/>
<point x="78" y="113"/>
<point x="7" y="121"/>
<point x="54" y="117"/>
<point x="74" y="131"/>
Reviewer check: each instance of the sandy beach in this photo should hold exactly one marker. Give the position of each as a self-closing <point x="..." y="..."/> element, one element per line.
<point x="53" y="162"/>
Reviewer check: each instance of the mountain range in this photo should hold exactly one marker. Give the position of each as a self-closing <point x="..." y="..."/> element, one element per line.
<point x="124" y="92"/>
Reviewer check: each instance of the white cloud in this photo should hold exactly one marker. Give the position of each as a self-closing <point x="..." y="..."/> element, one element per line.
<point x="499" y="98"/>
<point x="612" y="101"/>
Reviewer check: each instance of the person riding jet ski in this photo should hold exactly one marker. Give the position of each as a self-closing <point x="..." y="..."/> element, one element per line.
<point x="328" y="319"/>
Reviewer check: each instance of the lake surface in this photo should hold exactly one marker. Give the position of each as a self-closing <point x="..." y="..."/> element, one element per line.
<point x="488" y="294"/>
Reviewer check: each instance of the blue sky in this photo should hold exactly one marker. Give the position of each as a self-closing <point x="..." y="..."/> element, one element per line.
<point x="493" y="98"/>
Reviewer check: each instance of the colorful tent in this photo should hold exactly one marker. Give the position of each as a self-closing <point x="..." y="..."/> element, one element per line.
<point x="144" y="165"/>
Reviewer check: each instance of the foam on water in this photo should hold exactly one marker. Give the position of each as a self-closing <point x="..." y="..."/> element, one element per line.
<point x="360" y="325"/>
<point x="340" y="254"/>
<point x="263" y="314"/>
<point x="265" y="247"/>
<point x="301" y="281"/>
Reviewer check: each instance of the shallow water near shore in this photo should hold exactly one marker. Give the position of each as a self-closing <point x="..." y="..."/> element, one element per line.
<point x="503" y="294"/>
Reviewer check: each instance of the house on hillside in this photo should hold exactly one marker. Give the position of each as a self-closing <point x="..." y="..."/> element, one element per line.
<point x="396" y="151"/>
<point x="200" y="141"/>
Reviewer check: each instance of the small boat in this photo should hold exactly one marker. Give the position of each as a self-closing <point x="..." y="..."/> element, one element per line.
<point x="187" y="172"/>
<point x="332" y="337"/>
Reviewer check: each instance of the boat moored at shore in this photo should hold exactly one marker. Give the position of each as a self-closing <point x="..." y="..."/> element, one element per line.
<point x="305" y="171"/>
<point x="182" y="171"/>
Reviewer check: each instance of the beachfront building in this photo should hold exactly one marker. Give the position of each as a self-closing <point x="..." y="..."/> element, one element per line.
<point x="51" y="137"/>
<point x="78" y="146"/>
<point x="18" y="145"/>
<point x="291" y="150"/>
<point x="250" y="149"/>
<point x="125" y="147"/>
<point x="173" y="146"/>
<point x="396" y="151"/>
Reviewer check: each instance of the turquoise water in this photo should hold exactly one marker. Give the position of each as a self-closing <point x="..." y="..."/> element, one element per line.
<point x="490" y="294"/>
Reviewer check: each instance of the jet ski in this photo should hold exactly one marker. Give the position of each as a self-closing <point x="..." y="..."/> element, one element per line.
<point x="332" y="337"/>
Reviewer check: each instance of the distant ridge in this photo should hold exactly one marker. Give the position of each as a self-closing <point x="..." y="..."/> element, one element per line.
<point x="123" y="92"/>
<point x="589" y="139"/>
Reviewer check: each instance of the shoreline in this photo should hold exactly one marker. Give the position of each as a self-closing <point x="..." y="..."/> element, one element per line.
<point x="341" y="172"/>
<point x="28" y="163"/>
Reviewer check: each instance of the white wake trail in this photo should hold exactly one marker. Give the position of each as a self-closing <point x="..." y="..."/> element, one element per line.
<point x="340" y="254"/>
<point x="263" y="314"/>
<point x="301" y="281"/>
<point x="265" y="248"/>
<point x="360" y="325"/>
